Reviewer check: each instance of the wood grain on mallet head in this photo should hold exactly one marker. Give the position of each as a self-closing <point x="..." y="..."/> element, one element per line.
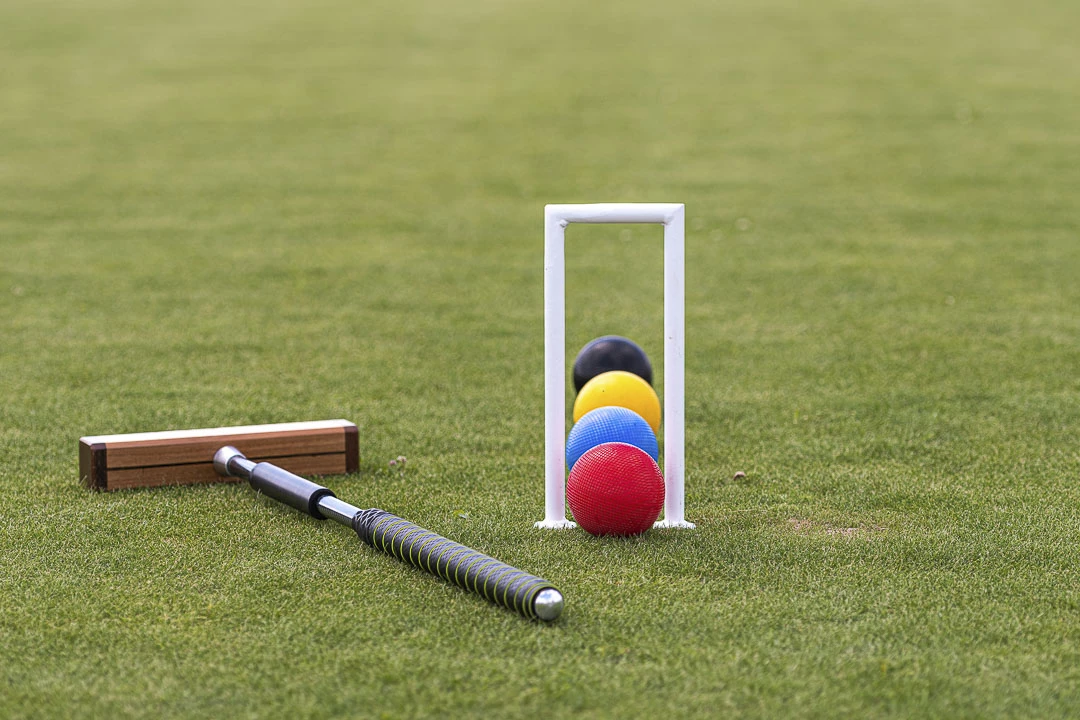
<point x="184" y="457"/>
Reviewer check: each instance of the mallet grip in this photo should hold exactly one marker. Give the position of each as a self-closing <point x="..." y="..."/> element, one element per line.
<point x="496" y="581"/>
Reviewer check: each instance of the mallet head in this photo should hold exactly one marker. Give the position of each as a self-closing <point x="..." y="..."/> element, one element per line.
<point x="184" y="457"/>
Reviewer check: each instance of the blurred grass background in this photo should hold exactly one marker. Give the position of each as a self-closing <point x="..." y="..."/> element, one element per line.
<point x="227" y="213"/>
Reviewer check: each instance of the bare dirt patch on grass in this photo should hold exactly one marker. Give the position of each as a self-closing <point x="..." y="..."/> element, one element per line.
<point x="804" y="526"/>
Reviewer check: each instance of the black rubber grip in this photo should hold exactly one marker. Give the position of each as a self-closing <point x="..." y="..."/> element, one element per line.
<point x="463" y="566"/>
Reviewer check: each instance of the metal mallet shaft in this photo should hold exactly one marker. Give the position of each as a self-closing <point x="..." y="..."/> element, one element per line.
<point x="498" y="582"/>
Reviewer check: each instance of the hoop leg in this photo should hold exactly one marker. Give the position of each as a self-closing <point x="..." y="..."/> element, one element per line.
<point x="674" y="372"/>
<point x="554" y="375"/>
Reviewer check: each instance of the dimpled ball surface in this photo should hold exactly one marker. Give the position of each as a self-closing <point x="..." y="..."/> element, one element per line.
<point x="621" y="389"/>
<point x="615" y="489"/>
<point x="610" y="424"/>
<point x="607" y="353"/>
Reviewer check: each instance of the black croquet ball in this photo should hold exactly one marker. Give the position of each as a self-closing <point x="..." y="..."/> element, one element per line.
<point x="610" y="352"/>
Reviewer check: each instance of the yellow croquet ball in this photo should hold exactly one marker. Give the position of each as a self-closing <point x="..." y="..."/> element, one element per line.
<point x="621" y="389"/>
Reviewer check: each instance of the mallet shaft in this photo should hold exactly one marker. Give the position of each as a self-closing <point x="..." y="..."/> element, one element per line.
<point x="474" y="571"/>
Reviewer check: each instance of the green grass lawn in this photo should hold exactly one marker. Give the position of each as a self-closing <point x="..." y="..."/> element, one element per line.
<point x="223" y="213"/>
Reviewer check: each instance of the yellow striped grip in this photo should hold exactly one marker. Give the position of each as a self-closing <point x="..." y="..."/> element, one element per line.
<point x="474" y="571"/>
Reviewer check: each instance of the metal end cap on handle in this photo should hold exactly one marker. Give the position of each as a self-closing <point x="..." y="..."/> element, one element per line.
<point x="548" y="604"/>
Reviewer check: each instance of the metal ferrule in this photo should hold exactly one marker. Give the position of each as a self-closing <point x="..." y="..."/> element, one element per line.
<point x="337" y="510"/>
<point x="230" y="462"/>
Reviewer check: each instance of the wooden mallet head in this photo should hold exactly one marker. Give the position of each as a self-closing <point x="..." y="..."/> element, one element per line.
<point x="186" y="457"/>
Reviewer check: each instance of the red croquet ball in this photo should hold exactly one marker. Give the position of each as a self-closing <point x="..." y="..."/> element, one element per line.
<point x="615" y="489"/>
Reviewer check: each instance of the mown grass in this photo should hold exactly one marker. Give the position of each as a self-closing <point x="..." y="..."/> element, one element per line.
<point x="220" y="213"/>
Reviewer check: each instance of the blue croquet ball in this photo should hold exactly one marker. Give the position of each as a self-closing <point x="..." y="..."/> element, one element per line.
<point x="610" y="424"/>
